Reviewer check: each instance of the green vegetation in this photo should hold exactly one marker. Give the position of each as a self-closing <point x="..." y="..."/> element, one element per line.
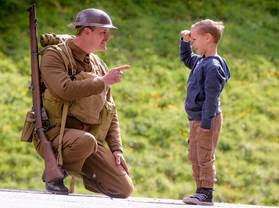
<point x="150" y="98"/>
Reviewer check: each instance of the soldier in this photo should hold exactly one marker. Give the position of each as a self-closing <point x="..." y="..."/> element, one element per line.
<point x="78" y="94"/>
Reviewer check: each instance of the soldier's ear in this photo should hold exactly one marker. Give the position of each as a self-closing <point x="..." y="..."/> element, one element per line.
<point x="87" y="31"/>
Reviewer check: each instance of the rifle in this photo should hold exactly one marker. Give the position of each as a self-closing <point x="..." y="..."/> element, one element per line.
<point x="52" y="171"/>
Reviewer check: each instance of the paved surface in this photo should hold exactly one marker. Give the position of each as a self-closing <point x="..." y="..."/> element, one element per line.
<point x="36" y="199"/>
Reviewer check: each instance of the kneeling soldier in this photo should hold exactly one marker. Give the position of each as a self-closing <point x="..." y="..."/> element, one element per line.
<point x="78" y="94"/>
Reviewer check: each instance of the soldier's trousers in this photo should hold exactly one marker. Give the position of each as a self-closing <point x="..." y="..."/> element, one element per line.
<point x="94" y="163"/>
<point x="201" y="152"/>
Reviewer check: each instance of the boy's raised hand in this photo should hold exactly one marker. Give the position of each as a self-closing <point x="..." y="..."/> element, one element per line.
<point x="186" y="35"/>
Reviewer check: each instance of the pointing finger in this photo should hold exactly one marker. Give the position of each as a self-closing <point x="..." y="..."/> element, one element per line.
<point x="122" y="68"/>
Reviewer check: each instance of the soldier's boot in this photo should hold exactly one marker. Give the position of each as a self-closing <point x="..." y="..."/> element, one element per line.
<point x="57" y="187"/>
<point x="203" y="196"/>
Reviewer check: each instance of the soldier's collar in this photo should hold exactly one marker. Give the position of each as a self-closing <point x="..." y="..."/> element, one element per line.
<point x="78" y="53"/>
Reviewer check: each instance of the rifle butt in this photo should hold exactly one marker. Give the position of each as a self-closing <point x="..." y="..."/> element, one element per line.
<point x="52" y="170"/>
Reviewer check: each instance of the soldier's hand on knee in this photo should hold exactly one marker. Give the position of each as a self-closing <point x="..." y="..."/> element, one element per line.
<point x="124" y="165"/>
<point x="117" y="155"/>
<point x="120" y="161"/>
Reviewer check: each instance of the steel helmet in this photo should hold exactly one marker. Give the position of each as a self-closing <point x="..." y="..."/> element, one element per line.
<point x="93" y="17"/>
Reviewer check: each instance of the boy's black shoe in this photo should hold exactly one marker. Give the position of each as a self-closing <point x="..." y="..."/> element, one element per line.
<point x="203" y="196"/>
<point x="57" y="187"/>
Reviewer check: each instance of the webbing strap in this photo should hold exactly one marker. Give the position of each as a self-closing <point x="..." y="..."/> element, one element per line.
<point x="63" y="123"/>
<point x="70" y="57"/>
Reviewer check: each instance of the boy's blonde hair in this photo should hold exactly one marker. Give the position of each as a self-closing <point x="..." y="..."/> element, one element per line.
<point x="211" y="27"/>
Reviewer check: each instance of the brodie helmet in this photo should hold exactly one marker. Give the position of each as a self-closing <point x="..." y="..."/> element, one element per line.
<point x="93" y="17"/>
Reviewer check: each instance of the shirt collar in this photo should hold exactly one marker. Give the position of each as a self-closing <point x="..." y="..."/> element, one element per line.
<point x="77" y="52"/>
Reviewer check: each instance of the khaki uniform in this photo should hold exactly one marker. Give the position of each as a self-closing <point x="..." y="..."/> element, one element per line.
<point x="92" y="120"/>
<point x="202" y="146"/>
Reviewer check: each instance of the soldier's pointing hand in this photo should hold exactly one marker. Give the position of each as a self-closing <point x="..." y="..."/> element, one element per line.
<point x="115" y="74"/>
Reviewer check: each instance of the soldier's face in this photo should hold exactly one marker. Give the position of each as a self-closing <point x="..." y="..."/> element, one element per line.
<point x="99" y="38"/>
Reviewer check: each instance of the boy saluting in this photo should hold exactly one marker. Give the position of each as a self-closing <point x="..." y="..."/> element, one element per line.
<point x="209" y="73"/>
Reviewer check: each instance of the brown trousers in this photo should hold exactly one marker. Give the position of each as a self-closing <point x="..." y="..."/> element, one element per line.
<point x="201" y="153"/>
<point x="85" y="157"/>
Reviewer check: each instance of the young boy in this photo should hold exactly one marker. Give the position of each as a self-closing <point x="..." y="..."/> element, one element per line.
<point x="209" y="73"/>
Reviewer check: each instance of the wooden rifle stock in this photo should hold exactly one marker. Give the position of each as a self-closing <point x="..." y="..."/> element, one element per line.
<point x="52" y="171"/>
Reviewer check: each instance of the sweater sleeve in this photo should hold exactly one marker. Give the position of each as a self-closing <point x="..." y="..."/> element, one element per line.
<point x="113" y="137"/>
<point x="59" y="83"/>
<point x="187" y="56"/>
<point x="213" y="88"/>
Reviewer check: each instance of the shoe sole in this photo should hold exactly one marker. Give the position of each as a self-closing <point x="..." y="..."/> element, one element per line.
<point x="194" y="201"/>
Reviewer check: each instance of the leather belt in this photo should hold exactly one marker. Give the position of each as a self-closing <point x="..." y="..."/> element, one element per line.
<point x="74" y="123"/>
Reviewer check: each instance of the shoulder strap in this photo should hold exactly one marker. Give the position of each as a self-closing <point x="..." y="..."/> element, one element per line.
<point x="64" y="50"/>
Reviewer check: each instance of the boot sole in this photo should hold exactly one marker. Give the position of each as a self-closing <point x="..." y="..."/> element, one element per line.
<point x="57" y="192"/>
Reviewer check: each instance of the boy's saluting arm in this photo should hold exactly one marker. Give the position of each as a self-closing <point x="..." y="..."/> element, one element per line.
<point x="186" y="55"/>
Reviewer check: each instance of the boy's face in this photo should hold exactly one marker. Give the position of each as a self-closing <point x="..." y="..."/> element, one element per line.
<point x="199" y="41"/>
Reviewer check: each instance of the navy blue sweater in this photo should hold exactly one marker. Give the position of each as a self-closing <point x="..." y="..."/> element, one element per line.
<point x="205" y="83"/>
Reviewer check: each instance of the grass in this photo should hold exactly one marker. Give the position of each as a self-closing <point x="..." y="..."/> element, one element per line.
<point x="150" y="98"/>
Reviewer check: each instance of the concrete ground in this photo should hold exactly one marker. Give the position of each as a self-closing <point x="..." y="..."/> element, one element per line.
<point x="37" y="199"/>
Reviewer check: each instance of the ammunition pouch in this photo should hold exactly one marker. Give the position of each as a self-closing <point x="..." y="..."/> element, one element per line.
<point x="28" y="127"/>
<point x="28" y="130"/>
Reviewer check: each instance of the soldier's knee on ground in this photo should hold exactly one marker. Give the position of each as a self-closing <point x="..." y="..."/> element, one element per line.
<point x="126" y="190"/>
<point x="119" y="190"/>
